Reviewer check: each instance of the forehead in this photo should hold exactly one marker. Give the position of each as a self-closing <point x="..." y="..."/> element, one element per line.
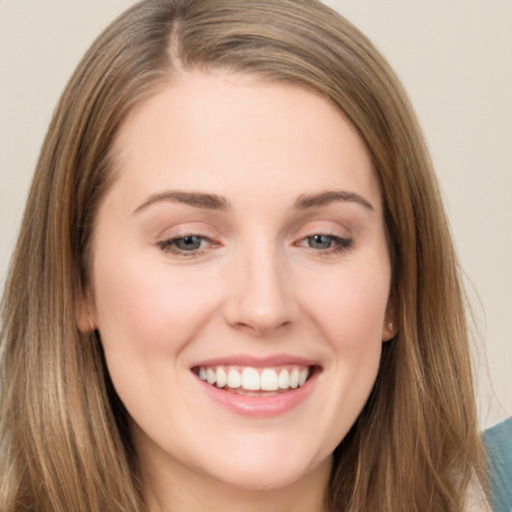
<point x="222" y="129"/>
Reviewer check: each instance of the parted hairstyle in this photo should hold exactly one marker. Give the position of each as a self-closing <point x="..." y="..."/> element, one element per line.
<point x="64" y="434"/>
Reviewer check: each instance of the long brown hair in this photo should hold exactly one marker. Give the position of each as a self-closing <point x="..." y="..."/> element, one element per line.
<point x="65" y="445"/>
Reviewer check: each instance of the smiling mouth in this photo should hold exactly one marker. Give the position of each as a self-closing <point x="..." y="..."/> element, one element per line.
<point x="255" y="381"/>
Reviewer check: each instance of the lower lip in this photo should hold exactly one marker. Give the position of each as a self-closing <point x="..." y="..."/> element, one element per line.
<point x="260" y="406"/>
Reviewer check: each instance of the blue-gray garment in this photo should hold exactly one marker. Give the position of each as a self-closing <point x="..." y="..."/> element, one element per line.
<point x="498" y="445"/>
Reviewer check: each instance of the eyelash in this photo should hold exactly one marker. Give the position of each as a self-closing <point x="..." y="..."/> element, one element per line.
<point x="170" y="246"/>
<point x="338" y="244"/>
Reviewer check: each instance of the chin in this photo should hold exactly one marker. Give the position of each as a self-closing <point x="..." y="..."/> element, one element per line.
<point x="267" y="473"/>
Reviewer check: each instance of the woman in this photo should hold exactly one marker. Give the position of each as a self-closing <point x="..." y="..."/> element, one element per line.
<point x="234" y="286"/>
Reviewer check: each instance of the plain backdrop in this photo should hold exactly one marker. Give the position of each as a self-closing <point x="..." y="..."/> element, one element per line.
<point x="455" y="60"/>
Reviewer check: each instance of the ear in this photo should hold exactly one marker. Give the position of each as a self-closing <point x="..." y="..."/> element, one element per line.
<point x="85" y="313"/>
<point x="390" y="324"/>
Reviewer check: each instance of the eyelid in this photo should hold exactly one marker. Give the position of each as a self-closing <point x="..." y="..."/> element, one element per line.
<point x="326" y="227"/>
<point x="340" y="244"/>
<point x="341" y="236"/>
<point x="166" y="238"/>
<point x="183" y="228"/>
<point x="168" y="247"/>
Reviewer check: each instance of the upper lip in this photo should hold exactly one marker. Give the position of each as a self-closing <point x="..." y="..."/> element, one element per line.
<point x="257" y="362"/>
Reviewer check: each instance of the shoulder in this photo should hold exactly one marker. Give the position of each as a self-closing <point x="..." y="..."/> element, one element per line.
<point x="498" y="445"/>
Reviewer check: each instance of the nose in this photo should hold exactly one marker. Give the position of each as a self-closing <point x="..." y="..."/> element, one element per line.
<point x="261" y="297"/>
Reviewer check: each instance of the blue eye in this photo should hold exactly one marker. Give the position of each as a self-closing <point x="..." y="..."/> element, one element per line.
<point x="320" y="241"/>
<point x="184" y="244"/>
<point x="188" y="243"/>
<point x="327" y="243"/>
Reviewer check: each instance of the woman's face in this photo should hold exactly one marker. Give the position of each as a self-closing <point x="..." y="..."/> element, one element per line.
<point x="241" y="279"/>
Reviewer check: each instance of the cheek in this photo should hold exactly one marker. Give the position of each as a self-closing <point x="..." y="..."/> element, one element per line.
<point x="350" y="306"/>
<point x="141" y="307"/>
<point x="146" y="316"/>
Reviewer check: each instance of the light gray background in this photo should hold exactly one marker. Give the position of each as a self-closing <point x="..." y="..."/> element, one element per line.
<point x="455" y="59"/>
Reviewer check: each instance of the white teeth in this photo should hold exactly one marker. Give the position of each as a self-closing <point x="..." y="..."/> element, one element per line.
<point x="222" y="378"/>
<point x="269" y="380"/>
<point x="234" y="379"/>
<point x="250" y="379"/>
<point x="211" y="376"/>
<point x="284" y="379"/>
<point x="294" y="378"/>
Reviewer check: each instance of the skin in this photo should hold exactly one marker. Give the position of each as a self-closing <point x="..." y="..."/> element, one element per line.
<point x="257" y="285"/>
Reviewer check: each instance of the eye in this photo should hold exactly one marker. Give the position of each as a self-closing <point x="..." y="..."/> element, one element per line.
<point x="186" y="245"/>
<point x="326" y="243"/>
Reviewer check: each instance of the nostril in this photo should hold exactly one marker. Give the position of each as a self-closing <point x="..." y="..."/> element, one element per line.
<point x="264" y="301"/>
<point x="261" y="328"/>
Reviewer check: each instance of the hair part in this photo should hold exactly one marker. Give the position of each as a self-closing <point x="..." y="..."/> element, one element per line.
<point x="65" y="441"/>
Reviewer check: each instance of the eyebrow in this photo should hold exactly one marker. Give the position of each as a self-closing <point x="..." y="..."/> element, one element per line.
<point x="325" y="198"/>
<point x="215" y="202"/>
<point x="196" y="199"/>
